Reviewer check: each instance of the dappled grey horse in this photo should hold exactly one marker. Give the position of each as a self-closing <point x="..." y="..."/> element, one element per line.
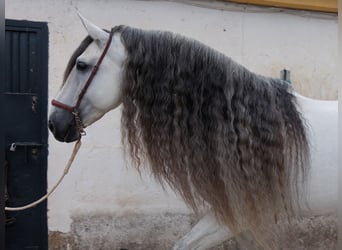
<point x="228" y="141"/>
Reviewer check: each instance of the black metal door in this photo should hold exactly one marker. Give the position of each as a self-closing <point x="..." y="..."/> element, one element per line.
<point x="2" y="134"/>
<point x="25" y="98"/>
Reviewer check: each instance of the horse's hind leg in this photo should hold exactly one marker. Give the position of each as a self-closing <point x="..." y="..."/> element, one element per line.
<point x="205" y="234"/>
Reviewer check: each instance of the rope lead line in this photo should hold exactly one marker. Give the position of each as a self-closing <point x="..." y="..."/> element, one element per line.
<point x="65" y="172"/>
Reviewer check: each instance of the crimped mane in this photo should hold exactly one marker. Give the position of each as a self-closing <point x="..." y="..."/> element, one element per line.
<point x="217" y="133"/>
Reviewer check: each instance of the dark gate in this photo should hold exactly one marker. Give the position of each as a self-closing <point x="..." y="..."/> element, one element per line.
<point x="25" y="98"/>
<point x="2" y="142"/>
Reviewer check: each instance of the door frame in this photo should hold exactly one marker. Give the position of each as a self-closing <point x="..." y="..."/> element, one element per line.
<point x="2" y="129"/>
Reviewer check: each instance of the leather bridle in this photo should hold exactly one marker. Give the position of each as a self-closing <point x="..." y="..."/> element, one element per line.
<point x="75" y="109"/>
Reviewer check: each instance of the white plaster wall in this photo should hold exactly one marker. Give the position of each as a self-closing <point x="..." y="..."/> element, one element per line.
<point x="264" y="40"/>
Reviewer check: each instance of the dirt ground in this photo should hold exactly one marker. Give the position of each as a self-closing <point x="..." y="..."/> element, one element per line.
<point x="159" y="232"/>
<point x="314" y="233"/>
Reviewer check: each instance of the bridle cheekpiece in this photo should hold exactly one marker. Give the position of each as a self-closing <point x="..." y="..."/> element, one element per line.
<point x="75" y="109"/>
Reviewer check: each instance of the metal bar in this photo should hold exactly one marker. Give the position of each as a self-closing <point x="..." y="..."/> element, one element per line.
<point x="23" y="62"/>
<point x="339" y="79"/>
<point x="285" y="75"/>
<point x="32" y="64"/>
<point x="15" y="67"/>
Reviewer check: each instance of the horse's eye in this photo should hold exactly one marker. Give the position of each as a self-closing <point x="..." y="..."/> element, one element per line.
<point x="81" y="65"/>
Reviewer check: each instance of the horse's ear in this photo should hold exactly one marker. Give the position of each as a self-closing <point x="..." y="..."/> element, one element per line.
<point x="95" y="32"/>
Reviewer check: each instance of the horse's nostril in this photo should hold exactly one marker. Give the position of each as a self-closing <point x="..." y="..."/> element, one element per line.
<point x="51" y="126"/>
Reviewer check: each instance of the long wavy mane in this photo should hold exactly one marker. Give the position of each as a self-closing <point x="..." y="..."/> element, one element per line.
<point x="217" y="133"/>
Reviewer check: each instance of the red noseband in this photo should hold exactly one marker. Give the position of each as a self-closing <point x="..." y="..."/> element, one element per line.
<point x="62" y="105"/>
<point x="75" y="109"/>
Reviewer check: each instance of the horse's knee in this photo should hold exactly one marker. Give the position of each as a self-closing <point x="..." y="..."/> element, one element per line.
<point x="205" y="234"/>
<point x="179" y="245"/>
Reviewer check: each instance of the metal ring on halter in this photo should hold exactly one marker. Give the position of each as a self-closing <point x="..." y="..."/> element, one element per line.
<point x="78" y="122"/>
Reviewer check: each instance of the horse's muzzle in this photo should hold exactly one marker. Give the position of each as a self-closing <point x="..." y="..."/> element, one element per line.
<point x="63" y="127"/>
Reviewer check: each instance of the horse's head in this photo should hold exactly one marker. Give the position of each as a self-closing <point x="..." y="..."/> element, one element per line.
<point x="89" y="103"/>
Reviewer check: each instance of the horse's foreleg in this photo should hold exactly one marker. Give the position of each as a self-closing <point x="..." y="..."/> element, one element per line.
<point x="205" y="234"/>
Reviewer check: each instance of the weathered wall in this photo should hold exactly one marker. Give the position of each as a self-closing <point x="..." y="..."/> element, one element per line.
<point x="101" y="197"/>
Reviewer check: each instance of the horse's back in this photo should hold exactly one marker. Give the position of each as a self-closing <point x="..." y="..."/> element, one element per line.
<point x="321" y="118"/>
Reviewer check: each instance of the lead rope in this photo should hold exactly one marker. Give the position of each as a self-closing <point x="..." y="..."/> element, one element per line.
<point x="65" y="172"/>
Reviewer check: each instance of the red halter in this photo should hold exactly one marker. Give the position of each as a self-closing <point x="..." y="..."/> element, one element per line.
<point x="75" y="109"/>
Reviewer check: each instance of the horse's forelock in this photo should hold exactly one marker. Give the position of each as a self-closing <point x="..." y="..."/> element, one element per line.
<point x="80" y="49"/>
